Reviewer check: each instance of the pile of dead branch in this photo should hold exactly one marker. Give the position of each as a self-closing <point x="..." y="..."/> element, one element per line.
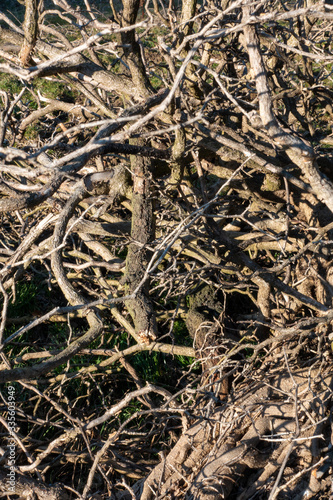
<point x="165" y="251"/>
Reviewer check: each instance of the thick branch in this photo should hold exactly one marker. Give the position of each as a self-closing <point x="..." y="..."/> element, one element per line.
<point x="298" y="151"/>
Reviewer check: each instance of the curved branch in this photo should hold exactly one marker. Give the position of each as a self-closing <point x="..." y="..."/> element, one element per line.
<point x="298" y="151"/>
<point x="77" y="64"/>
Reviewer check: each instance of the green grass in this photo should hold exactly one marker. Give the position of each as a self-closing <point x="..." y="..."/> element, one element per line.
<point x="31" y="132"/>
<point x="55" y="90"/>
<point x="150" y="365"/>
<point x="13" y="9"/>
<point x="131" y="409"/>
<point x="25" y="300"/>
<point x="10" y="84"/>
<point x="156" y="82"/>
